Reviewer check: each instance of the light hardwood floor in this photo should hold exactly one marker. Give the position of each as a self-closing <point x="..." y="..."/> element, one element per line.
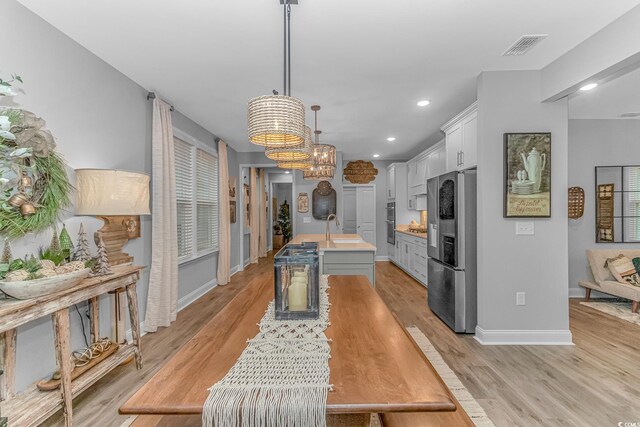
<point x="594" y="383"/>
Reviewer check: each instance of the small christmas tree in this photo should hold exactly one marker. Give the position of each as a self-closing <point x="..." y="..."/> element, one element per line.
<point x="54" y="246"/>
<point x="65" y="240"/>
<point x="82" y="247"/>
<point x="6" y="253"/>
<point x="284" y="221"/>
<point x="102" y="267"/>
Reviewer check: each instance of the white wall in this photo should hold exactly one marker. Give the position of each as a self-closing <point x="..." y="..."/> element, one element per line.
<point x="609" y="52"/>
<point x="595" y="143"/>
<point x="100" y="119"/>
<point x="537" y="265"/>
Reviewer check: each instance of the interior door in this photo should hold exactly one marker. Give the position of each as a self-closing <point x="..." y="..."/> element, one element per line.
<point x="366" y="213"/>
<point x="349" y="213"/>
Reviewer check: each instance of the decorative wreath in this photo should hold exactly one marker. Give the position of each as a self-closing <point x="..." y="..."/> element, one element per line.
<point x="34" y="185"/>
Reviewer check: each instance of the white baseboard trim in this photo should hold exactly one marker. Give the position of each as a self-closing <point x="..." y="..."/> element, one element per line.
<point x="576" y="292"/>
<point x="579" y="293"/>
<point x="188" y="299"/>
<point x="523" y="337"/>
<point x="382" y="258"/>
<point x="235" y="270"/>
<point x="183" y="303"/>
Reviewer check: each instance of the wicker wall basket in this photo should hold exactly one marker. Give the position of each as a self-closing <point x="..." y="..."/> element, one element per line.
<point x="576" y="202"/>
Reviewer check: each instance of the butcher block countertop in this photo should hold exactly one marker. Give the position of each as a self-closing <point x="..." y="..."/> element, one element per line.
<point x="375" y="365"/>
<point x="324" y="246"/>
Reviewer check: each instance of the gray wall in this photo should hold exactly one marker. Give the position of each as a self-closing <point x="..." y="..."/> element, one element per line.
<point x="306" y="186"/>
<point x="100" y="119"/>
<point x="537" y="265"/>
<point x="595" y="143"/>
<point x="381" y="204"/>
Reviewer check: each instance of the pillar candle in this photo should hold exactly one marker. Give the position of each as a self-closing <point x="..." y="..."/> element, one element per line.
<point x="298" y="295"/>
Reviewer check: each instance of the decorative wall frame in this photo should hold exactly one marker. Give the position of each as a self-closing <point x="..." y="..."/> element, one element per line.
<point x="617" y="204"/>
<point x="232" y="199"/>
<point x="360" y="172"/>
<point x="303" y="203"/>
<point x="527" y="175"/>
<point x="324" y="200"/>
<point x="247" y="206"/>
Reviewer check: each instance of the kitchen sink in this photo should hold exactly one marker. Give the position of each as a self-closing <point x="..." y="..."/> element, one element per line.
<point x="345" y="241"/>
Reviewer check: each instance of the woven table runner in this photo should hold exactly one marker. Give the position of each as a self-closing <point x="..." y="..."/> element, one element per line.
<point x="280" y="379"/>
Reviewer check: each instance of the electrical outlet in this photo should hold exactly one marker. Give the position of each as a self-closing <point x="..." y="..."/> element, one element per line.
<point x="524" y="228"/>
<point x="307" y="220"/>
<point x="520" y="298"/>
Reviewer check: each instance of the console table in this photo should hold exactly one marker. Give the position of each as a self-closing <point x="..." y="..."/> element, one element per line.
<point x="32" y="406"/>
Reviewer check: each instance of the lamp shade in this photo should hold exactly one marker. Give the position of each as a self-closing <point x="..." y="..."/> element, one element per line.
<point x="276" y="121"/>
<point x="104" y="192"/>
<point x="300" y="154"/>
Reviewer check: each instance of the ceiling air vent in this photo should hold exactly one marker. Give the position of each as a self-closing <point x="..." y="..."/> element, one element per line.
<point x="524" y="44"/>
<point x="630" y="115"/>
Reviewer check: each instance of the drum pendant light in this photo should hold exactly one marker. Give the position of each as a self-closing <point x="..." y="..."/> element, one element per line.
<point x="277" y="121"/>
<point x="324" y="156"/>
<point x="294" y="158"/>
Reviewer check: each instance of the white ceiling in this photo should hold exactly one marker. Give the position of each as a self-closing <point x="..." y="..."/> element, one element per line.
<point x="609" y="100"/>
<point x="366" y="62"/>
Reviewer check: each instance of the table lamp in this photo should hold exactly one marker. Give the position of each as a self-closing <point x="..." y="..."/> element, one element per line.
<point x="118" y="198"/>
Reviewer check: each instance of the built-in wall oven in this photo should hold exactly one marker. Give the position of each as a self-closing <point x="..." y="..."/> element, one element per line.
<point x="391" y="223"/>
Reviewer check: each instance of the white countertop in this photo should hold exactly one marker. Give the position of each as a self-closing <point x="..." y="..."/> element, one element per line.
<point x="410" y="233"/>
<point x="324" y="246"/>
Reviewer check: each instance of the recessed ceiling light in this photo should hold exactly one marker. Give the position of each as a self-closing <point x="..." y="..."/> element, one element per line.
<point x="376" y="155"/>
<point x="391" y="138"/>
<point x="424" y="103"/>
<point x="589" y="86"/>
<point x="287" y="172"/>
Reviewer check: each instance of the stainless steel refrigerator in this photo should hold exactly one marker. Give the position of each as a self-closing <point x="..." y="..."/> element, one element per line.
<point x="451" y="234"/>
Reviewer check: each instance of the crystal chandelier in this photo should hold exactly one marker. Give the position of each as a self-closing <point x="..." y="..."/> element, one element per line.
<point x="324" y="156"/>
<point x="277" y="121"/>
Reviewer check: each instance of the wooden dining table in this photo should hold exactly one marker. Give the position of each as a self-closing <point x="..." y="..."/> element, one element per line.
<point x="375" y="367"/>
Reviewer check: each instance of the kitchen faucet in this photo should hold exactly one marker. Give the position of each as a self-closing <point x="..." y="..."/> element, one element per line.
<point x="328" y="232"/>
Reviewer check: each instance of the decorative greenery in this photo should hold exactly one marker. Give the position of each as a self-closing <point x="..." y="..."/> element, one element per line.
<point x="34" y="185"/>
<point x="284" y="221"/>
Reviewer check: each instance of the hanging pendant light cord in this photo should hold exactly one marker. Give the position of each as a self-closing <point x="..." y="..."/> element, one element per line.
<point x="287" y="48"/>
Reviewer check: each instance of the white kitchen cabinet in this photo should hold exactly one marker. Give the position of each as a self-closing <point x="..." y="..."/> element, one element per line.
<point x="411" y="256"/>
<point x="437" y="161"/>
<point x="417" y="169"/>
<point x="461" y="140"/>
<point x="391" y="182"/>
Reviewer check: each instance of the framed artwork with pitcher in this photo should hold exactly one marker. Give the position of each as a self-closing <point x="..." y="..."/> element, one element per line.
<point x="527" y="175"/>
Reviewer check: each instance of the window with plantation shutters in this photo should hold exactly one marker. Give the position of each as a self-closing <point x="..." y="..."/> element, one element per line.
<point x="196" y="199"/>
<point x="206" y="201"/>
<point x="184" y="197"/>
<point x="633" y="199"/>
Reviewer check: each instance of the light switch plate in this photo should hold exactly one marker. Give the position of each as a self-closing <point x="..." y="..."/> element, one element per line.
<point x="520" y="298"/>
<point x="307" y="220"/>
<point x="525" y="228"/>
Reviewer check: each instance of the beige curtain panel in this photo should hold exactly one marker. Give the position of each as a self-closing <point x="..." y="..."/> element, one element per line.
<point x="262" y="250"/>
<point x="162" y="300"/>
<point x="224" y="217"/>
<point x="255" y="218"/>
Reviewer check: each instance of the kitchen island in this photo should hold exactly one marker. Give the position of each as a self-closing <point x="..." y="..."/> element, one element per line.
<point x="343" y="254"/>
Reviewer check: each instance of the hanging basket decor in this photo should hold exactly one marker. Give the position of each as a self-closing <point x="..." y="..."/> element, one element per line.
<point x="576" y="202"/>
<point x="34" y="185"/>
